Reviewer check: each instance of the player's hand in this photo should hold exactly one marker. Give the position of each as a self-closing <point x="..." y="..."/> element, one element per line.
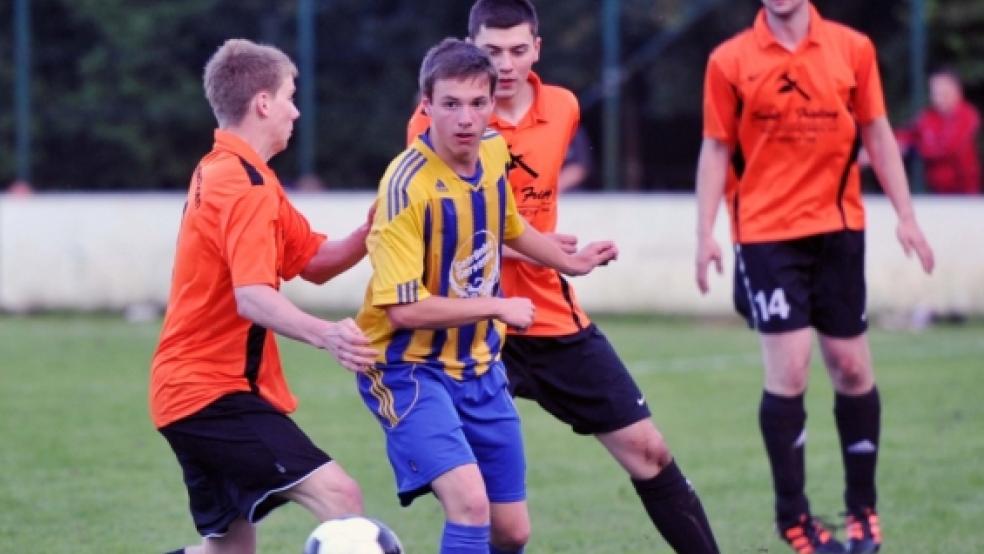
<point x="912" y="240"/>
<point x="516" y="312"/>
<point x="567" y="243"/>
<point x="363" y="230"/>
<point x="591" y="256"/>
<point x="349" y="345"/>
<point x="361" y="233"/>
<point x="708" y="251"/>
<point x="371" y="215"/>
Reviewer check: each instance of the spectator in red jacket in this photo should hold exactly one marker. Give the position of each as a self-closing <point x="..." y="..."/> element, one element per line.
<point x="944" y="135"/>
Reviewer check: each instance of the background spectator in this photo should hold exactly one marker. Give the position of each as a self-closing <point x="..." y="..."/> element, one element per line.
<point x="577" y="164"/>
<point x="944" y="135"/>
<point x="20" y="188"/>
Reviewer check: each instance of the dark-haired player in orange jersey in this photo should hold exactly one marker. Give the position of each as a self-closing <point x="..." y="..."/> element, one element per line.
<point x="787" y="104"/>
<point x="217" y="390"/>
<point x="563" y="361"/>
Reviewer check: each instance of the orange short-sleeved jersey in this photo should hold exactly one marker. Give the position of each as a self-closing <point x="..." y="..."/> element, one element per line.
<point x="538" y="144"/>
<point x="238" y="228"/>
<point x="793" y="120"/>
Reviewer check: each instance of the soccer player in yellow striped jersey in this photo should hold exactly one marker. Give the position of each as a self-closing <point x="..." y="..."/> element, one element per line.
<point x="434" y="311"/>
<point x="462" y="223"/>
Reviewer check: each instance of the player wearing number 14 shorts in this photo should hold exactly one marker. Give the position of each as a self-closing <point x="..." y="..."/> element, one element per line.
<point x="787" y="104"/>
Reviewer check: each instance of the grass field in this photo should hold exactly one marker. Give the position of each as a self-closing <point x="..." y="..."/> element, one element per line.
<point x="82" y="469"/>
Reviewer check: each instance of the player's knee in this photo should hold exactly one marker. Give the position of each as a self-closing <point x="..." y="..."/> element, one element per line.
<point x="788" y="376"/>
<point x="656" y="452"/>
<point x="641" y="449"/>
<point x="789" y="381"/>
<point x="331" y="494"/>
<point x="796" y="382"/>
<point x="468" y="508"/>
<point x="513" y="537"/>
<point x="850" y="373"/>
<point x="349" y="495"/>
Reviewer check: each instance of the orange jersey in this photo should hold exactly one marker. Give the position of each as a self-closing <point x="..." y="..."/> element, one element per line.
<point x="793" y="120"/>
<point x="238" y="229"/>
<point x="538" y="145"/>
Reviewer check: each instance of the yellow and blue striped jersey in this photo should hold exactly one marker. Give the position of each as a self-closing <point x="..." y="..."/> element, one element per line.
<point x="436" y="233"/>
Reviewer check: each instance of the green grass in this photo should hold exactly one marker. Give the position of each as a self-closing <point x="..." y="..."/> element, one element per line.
<point x="82" y="469"/>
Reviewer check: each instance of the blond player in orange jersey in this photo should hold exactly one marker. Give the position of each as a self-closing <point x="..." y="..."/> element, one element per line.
<point x="217" y="390"/>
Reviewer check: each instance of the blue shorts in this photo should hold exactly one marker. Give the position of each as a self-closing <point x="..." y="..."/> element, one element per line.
<point x="434" y="423"/>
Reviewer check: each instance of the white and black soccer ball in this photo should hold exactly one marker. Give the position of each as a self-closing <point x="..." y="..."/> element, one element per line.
<point x="353" y="535"/>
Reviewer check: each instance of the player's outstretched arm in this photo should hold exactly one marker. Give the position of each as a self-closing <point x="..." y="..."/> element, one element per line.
<point x="567" y="243"/>
<point x="439" y="312"/>
<point x="883" y="150"/>
<point x="335" y="257"/>
<point x="266" y="307"/>
<point x="712" y="172"/>
<point x="548" y="252"/>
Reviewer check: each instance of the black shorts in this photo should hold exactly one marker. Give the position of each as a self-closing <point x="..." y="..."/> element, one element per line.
<point x="815" y="281"/>
<point x="237" y="453"/>
<point x="578" y="378"/>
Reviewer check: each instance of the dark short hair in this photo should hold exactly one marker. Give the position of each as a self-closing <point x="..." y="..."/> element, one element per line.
<point x="501" y="14"/>
<point x="454" y="59"/>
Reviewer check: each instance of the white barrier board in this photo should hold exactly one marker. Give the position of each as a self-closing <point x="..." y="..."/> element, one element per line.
<point x="109" y="251"/>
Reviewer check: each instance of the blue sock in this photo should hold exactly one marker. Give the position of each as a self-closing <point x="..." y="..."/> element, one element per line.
<point x="494" y="550"/>
<point x="464" y="539"/>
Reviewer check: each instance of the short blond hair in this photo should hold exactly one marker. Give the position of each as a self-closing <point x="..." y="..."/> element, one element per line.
<point x="239" y="70"/>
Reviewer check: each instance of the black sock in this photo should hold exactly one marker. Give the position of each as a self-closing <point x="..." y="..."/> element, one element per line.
<point x="783" y="423"/>
<point x="676" y="511"/>
<point x="178" y="551"/>
<point x="859" y="424"/>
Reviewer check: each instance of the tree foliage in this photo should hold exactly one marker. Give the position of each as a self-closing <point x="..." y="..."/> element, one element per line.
<point x="117" y="99"/>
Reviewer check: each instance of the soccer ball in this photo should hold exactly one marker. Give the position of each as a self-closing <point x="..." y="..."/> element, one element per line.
<point x="353" y="535"/>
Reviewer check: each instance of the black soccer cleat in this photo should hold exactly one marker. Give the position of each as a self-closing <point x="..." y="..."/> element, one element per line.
<point x="809" y="536"/>
<point x="863" y="532"/>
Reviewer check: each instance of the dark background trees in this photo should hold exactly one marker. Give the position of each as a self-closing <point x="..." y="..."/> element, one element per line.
<point x="117" y="101"/>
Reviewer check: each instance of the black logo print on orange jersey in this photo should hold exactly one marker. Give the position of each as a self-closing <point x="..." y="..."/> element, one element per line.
<point x="789" y="85"/>
<point x="516" y="160"/>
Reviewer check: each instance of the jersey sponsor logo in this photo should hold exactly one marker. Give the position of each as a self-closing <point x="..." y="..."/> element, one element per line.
<point x="516" y="160"/>
<point x="474" y="274"/>
<point x="767" y="114"/>
<point x="788" y="85"/>
<point x="818" y="113"/>
<point x="532" y="193"/>
<point x="799" y="121"/>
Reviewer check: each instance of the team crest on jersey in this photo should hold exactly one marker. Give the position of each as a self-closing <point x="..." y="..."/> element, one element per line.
<point x="475" y="271"/>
